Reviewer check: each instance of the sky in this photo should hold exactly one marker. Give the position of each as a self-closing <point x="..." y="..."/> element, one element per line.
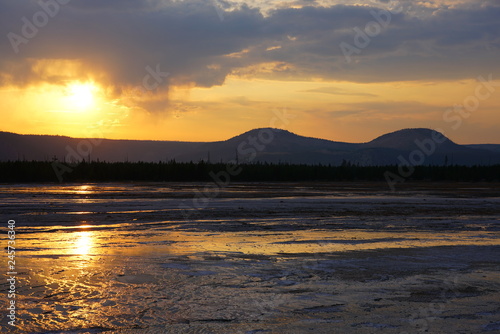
<point x="208" y="70"/>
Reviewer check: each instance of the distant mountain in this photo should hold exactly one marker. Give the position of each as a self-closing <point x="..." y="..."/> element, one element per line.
<point x="272" y="145"/>
<point x="407" y="139"/>
<point x="435" y="147"/>
<point x="417" y="146"/>
<point x="488" y="147"/>
<point x="38" y="147"/>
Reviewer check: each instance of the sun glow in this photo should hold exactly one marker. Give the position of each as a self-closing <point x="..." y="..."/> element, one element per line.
<point x="81" y="96"/>
<point x="83" y="243"/>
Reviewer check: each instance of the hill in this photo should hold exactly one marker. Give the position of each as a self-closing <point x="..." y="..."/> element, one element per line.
<point x="424" y="146"/>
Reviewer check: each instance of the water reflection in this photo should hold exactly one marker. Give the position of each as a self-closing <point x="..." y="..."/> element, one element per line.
<point x="83" y="190"/>
<point x="84" y="242"/>
<point x="88" y="240"/>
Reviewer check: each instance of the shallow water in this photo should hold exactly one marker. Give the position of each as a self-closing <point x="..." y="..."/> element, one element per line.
<point x="280" y="258"/>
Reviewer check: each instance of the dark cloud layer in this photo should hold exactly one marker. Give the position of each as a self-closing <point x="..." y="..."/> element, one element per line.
<point x="115" y="40"/>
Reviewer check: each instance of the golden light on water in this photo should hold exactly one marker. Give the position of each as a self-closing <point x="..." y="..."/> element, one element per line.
<point x="87" y="243"/>
<point x="84" y="242"/>
<point x="83" y="190"/>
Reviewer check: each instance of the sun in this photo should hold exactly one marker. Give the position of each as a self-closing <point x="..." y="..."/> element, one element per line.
<point x="81" y="96"/>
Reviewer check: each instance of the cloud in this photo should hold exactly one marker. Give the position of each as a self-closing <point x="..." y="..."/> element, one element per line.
<point x="117" y="40"/>
<point x="389" y="110"/>
<point x="114" y="41"/>
<point x="337" y="91"/>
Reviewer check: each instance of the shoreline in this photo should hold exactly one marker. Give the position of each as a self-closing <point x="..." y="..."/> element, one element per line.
<point x="262" y="258"/>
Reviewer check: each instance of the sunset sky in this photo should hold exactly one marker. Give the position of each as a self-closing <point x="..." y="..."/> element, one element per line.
<point x="205" y="70"/>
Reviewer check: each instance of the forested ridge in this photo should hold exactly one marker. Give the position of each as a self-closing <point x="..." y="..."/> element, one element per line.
<point x="98" y="171"/>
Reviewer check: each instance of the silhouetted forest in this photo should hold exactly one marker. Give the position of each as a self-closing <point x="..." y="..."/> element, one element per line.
<point x="95" y="171"/>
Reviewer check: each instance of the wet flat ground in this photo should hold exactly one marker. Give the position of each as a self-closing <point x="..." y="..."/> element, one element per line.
<point x="255" y="258"/>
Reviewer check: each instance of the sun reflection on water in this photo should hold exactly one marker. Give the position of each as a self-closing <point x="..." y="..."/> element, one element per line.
<point x="83" y="190"/>
<point x="84" y="242"/>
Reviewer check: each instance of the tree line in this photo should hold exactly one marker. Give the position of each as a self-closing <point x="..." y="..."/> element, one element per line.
<point x="97" y="171"/>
